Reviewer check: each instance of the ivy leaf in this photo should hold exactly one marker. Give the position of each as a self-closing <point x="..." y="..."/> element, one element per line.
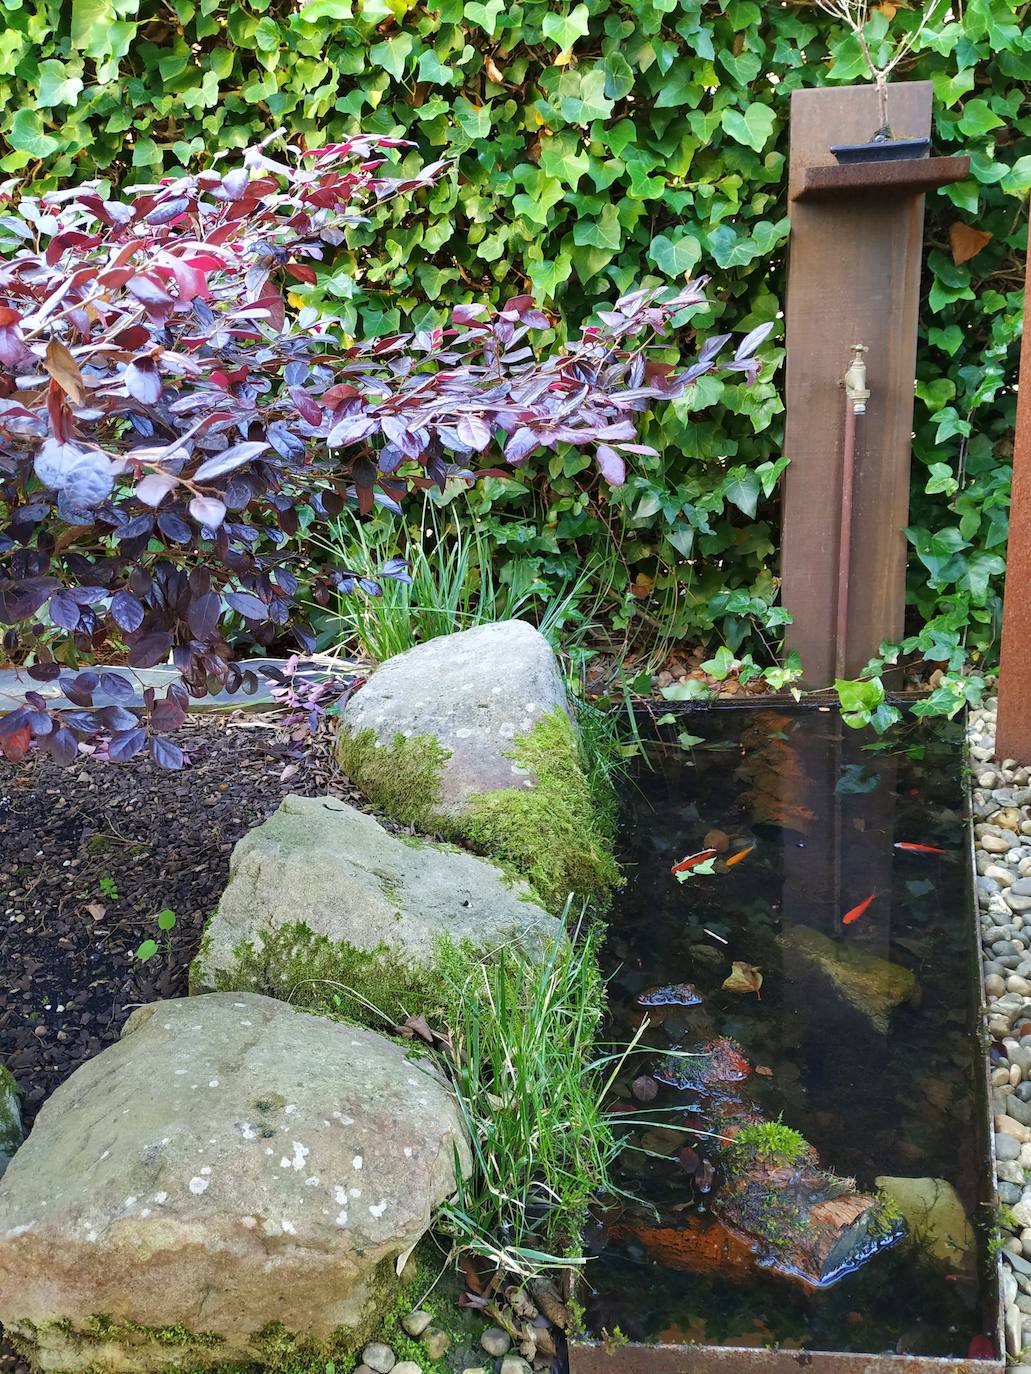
<point x="566" y="29"/>
<point x="753" y="127"/>
<point x="27" y="135"/>
<point x="676" y="257"/>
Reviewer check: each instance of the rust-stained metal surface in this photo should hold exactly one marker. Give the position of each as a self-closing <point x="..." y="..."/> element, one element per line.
<point x="853" y="277"/>
<point x="595" y="1358"/>
<point x="914" y="176"/>
<point x="1013" y="726"/>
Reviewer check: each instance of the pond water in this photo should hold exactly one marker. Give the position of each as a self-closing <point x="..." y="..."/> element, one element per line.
<point x="877" y="1088"/>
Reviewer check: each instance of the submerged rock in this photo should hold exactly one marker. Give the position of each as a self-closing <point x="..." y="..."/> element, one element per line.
<point x="720" y="1061"/>
<point x="935" y="1218"/>
<point x="232" y="1181"/>
<point x="326" y="909"/>
<point x="670" y="995"/>
<point x="10" y="1117"/>
<point x="872" y="985"/>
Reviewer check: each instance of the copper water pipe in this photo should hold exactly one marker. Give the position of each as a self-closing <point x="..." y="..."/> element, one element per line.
<point x="856" y="396"/>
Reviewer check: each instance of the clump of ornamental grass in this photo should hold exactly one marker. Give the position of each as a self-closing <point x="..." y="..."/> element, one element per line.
<point x="532" y="1087"/>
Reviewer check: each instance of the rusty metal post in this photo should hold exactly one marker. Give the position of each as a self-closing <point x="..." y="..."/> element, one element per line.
<point x="1013" y="728"/>
<point x="853" y="274"/>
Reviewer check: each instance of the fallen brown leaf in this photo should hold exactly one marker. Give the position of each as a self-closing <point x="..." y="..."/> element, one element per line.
<point x="743" y="978"/>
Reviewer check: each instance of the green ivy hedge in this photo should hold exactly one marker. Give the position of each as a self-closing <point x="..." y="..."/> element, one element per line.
<point x="597" y="145"/>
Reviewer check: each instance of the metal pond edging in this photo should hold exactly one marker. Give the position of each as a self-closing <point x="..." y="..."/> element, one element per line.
<point x="608" y="1357"/>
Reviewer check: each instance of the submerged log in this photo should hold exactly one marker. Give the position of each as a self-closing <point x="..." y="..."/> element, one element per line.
<point x="805" y="1222"/>
<point x="773" y="1208"/>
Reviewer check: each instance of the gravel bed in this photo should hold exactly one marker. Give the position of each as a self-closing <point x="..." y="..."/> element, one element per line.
<point x="1002" y="830"/>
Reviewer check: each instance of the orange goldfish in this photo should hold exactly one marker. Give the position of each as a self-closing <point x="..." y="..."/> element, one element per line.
<point x="741" y="854"/>
<point x="857" y="911"/>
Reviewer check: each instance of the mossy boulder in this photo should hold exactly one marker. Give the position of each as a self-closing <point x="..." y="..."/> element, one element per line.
<point x="233" y="1181"/>
<point x="10" y="1117"/>
<point x="328" y="910"/>
<point x="873" y="986"/>
<point x="471" y="736"/>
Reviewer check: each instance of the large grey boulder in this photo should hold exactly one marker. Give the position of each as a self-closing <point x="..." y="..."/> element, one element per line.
<point x="474" y="693"/>
<point x="471" y="736"/>
<point x="10" y="1117"/>
<point x="233" y="1178"/>
<point x="326" y="908"/>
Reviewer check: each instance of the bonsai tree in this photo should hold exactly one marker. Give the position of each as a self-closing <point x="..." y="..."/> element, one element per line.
<point x="166" y="416"/>
<point x="854" y="14"/>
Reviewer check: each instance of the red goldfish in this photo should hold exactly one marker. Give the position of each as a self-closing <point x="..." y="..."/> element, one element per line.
<point x="857" y="911"/>
<point x="911" y="848"/>
<point x="693" y="860"/>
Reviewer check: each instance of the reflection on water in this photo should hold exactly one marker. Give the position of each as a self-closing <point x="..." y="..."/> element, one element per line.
<point x="861" y="1033"/>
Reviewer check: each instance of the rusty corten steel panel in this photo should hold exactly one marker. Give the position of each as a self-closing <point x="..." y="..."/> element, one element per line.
<point x="914" y="176"/>
<point x="591" y="1358"/>
<point x="1013" y="726"/>
<point x="853" y="278"/>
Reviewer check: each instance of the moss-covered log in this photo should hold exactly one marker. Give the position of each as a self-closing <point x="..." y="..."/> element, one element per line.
<point x="804" y="1221"/>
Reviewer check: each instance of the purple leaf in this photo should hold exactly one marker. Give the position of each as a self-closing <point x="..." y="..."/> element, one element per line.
<point x="248" y="606"/>
<point x="235" y="456"/>
<point x="126" y="611"/>
<point x="166" y="754"/>
<point x="203" y="615"/>
<point x="117" y="718"/>
<point x="208" y="511"/>
<point x="116" y="686"/>
<point x="611" y="465"/>
<point x="150" y="650"/>
<point x="124" y="746"/>
<point x="143" y="381"/>
<point x="62" y="747"/>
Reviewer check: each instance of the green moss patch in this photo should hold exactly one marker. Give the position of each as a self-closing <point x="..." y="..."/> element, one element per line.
<point x="558" y="834"/>
<point x="402" y="778"/>
<point x="10" y="1116"/>
<point x="334" y="978"/>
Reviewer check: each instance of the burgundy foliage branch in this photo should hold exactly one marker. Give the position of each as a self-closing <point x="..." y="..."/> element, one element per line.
<point x="166" y="416"/>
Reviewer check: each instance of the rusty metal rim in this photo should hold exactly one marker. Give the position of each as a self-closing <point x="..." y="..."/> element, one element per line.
<point x="597" y="1357"/>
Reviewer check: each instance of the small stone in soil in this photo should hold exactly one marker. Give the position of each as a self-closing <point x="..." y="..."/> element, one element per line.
<point x="416" y="1322"/>
<point x="496" y="1342"/>
<point x="514" y="1364"/>
<point x="379" y="1357"/>
<point x="436" y="1342"/>
<point x="407" y="1367"/>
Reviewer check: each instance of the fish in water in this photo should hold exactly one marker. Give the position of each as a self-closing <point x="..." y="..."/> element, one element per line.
<point x="912" y="848"/>
<point x="857" y="911"/>
<point x="981" y="1348"/>
<point x="739" y="855"/>
<point x="693" y="860"/>
<point x="670" y="995"/>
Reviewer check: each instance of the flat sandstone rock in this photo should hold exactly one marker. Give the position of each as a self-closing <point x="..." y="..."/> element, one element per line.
<point x="321" y="897"/>
<point x="232" y="1172"/>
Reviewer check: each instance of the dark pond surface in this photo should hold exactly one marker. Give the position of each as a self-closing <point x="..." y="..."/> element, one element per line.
<point x="877" y="1090"/>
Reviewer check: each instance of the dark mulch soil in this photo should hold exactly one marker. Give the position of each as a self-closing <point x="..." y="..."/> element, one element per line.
<point x="90" y="854"/>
